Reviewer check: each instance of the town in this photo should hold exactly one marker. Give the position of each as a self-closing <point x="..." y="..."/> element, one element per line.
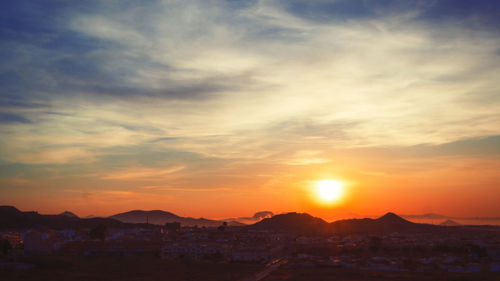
<point x="453" y="250"/>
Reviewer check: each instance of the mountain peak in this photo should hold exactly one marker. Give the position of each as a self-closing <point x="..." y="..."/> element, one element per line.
<point x="295" y="222"/>
<point x="392" y="217"/>
<point x="11" y="209"/>
<point x="68" y="214"/>
<point x="449" y="223"/>
<point x="161" y="217"/>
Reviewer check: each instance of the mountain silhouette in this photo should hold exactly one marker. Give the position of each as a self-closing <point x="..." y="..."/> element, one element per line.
<point x="293" y="222"/>
<point x="68" y="214"/>
<point x="430" y="216"/>
<point x="393" y="220"/>
<point x="387" y="223"/>
<point x="449" y="223"/>
<point x="160" y="217"/>
<point x="297" y="222"/>
<point x="12" y="218"/>
<point x="433" y="216"/>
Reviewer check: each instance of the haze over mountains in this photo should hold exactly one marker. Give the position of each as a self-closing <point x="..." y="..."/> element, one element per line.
<point x="388" y="223"/>
<point x="449" y="223"/>
<point x="433" y="216"/>
<point x="68" y="214"/>
<point x="253" y="219"/>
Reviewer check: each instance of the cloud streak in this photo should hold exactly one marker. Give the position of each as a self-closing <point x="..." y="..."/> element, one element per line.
<point x="126" y="91"/>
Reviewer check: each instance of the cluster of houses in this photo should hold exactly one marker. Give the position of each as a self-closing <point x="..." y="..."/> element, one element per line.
<point x="394" y="252"/>
<point x="420" y="252"/>
<point x="169" y="242"/>
<point x="221" y="252"/>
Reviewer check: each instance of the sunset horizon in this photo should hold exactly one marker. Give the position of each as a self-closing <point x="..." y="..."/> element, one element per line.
<point x="250" y="140"/>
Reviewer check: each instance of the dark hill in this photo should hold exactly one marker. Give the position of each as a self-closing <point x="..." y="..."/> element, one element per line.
<point x="393" y="222"/>
<point x="68" y="214"/>
<point x="293" y="222"/>
<point x="449" y="223"/>
<point x="389" y="222"/>
<point x="161" y="217"/>
<point x="11" y="218"/>
<point x="393" y="219"/>
<point x="140" y="216"/>
<point x="305" y="223"/>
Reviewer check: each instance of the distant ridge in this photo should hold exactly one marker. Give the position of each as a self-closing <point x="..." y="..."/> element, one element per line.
<point x="11" y="218"/>
<point x="433" y="216"/>
<point x="297" y="222"/>
<point x="389" y="222"/>
<point x="429" y="216"/>
<point x="160" y="217"/>
<point x="449" y="223"/>
<point x="293" y="222"/>
<point x="68" y="214"/>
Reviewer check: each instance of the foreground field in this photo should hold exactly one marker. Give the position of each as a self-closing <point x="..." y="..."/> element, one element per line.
<point x="343" y="274"/>
<point x="124" y="269"/>
<point x="149" y="268"/>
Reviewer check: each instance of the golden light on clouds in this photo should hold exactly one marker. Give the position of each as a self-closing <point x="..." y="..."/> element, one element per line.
<point x="227" y="109"/>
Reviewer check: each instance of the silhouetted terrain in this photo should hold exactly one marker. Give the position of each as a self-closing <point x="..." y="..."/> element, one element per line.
<point x="390" y="222"/>
<point x="449" y="223"/>
<point x="425" y="216"/>
<point x="294" y="222"/>
<point x="12" y="218"/>
<point x="292" y="246"/>
<point x="161" y="217"/>
<point x="68" y="214"/>
<point x="435" y="218"/>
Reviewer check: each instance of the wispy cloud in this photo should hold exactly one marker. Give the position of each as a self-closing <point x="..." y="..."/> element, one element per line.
<point x="141" y="173"/>
<point x="187" y="189"/>
<point x="228" y="89"/>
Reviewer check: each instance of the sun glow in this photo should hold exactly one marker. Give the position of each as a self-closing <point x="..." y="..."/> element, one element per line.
<point x="329" y="191"/>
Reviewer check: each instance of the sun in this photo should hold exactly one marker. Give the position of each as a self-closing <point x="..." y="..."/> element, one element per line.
<point x="329" y="191"/>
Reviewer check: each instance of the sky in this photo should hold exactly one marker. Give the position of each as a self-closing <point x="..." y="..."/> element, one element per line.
<point x="223" y="108"/>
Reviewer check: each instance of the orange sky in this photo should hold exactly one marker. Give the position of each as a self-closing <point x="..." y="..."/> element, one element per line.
<point x="451" y="186"/>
